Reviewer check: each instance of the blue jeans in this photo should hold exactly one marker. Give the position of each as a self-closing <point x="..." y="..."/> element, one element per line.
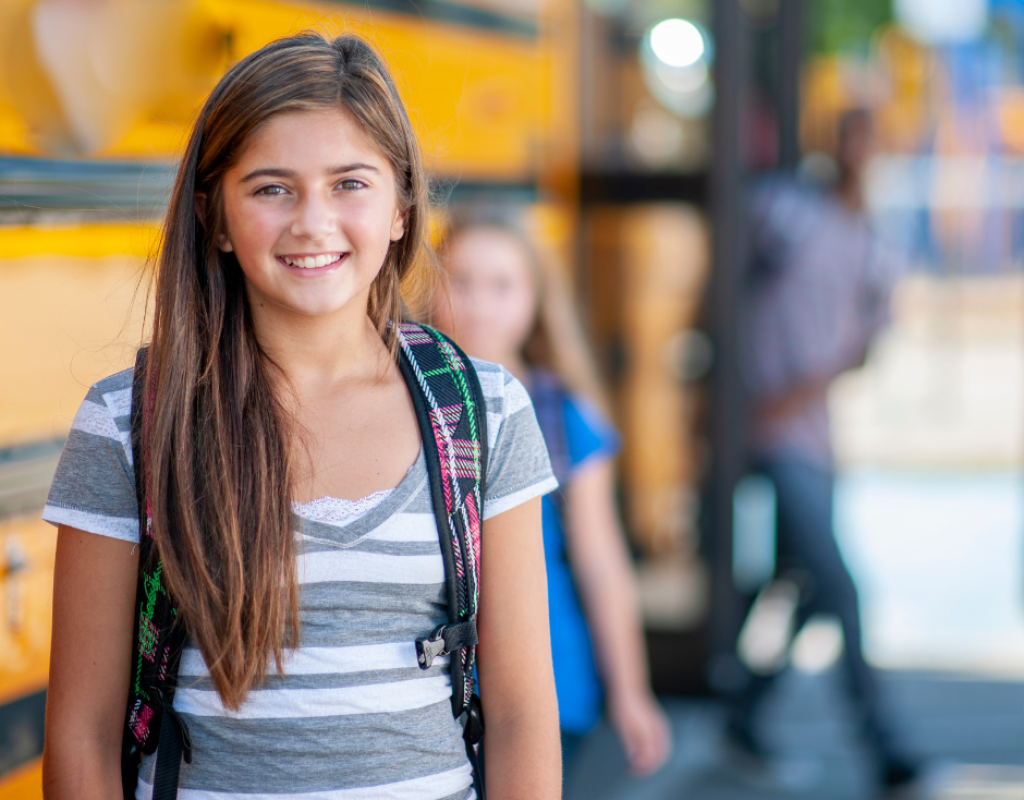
<point x="805" y="542"/>
<point x="570" y="748"/>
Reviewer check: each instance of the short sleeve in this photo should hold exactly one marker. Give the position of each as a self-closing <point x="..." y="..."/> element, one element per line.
<point x="93" y="488"/>
<point x="518" y="467"/>
<point x="588" y="434"/>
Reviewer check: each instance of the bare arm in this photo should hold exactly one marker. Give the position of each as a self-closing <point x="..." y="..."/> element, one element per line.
<point x="93" y="603"/>
<point x="517" y="684"/>
<point x="600" y="564"/>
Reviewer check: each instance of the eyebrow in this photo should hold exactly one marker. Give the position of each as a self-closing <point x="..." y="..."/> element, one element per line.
<point x="279" y="172"/>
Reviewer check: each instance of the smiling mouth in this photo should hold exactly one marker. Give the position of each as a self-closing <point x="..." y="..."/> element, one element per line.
<point x="312" y="262"/>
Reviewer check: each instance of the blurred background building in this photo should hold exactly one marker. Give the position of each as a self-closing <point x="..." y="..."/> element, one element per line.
<point x="626" y="133"/>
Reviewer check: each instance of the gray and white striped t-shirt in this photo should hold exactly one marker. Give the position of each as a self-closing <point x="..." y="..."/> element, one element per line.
<point x="353" y="717"/>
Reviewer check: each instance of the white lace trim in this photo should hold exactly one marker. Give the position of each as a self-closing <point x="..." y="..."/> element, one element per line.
<point x="338" y="511"/>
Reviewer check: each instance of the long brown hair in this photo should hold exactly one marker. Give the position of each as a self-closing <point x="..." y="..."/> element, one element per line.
<point x="217" y="436"/>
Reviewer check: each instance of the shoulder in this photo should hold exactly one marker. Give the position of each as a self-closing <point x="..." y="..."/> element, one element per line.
<point x="115" y="390"/>
<point x="107" y="406"/>
<point x="583" y="411"/>
<point x="119" y="381"/>
<point x="589" y="433"/>
<point x="579" y="413"/>
<point x="93" y="487"/>
<point x="518" y="468"/>
<point x="495" y="380"/>
<point x="504" y="395"/>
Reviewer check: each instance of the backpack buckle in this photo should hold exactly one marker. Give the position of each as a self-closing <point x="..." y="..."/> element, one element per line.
<point x="429" y="648"/>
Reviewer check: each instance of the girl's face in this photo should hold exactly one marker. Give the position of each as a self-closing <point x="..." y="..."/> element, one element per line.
<point x="493" y="294"/>
<point x="311" y="209"/>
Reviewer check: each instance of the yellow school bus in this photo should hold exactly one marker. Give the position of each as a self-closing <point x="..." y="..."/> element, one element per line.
<point x="95" y="101"/>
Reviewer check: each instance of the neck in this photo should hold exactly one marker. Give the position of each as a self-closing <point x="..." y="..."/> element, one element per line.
<point x="316" y="352"/>
<point x="851" y="193"/>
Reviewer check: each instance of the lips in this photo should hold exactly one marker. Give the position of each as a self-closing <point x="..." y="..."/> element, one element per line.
<point x="312" y="262"/>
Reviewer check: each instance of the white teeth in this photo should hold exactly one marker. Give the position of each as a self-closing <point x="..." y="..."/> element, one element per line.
<point x="311" y="262"/>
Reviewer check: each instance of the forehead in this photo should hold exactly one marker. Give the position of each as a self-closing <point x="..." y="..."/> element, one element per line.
<point x="311" y="140"/>
<point x="489" y="253"/>
<point x="489" y="250"/>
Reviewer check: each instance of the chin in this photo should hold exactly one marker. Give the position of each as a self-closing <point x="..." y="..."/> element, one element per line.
<point x="323" y="303"/>
<point x="323" y="310"/>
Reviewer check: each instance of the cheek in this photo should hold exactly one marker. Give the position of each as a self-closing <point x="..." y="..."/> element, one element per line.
<point x="519" y="311"/>
<point x="369" y="222"/>
<point x="528" y="303"/>
<point x="253" y="229"/>
<point x="367" y="231"/>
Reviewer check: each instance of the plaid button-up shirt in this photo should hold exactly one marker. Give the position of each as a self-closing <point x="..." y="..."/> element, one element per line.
<point x="819" y="290"/>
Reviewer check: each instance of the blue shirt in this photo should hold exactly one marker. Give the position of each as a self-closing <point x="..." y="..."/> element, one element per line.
<point x="580" y="696"/>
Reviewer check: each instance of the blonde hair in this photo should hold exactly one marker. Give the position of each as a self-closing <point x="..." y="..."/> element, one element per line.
<point x="556" y="341"/>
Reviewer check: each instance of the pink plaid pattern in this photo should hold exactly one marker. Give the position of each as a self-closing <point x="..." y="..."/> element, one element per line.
<point x="414" y="334"/>
<point x="450" y="414"/>
<point x="140" y="719"/>
<point x="467" y="458"/>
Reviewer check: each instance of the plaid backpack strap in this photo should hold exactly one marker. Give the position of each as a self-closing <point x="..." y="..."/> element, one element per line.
<point x="156" y="642"/>
<point x="453" y="423"/>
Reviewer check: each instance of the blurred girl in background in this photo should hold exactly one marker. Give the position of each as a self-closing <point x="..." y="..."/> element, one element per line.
<point x="510" y="306"/>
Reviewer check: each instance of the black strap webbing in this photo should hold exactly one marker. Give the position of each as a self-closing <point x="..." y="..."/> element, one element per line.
<point x="168" y="756"/>
<point x="151" y="693"/>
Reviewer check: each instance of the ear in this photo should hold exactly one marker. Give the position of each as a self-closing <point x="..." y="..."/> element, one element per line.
<point x="398" y="225"/>
<point x="200" y="207"/>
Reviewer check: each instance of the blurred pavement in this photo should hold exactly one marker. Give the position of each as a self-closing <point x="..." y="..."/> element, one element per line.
<point x="970" y="733"/>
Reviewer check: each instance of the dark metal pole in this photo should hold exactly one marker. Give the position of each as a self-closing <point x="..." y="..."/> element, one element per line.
<point x="727" y="407"/>
<point x="791" y="47"/>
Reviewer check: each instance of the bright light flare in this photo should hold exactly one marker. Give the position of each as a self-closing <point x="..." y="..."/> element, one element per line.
<point x="677" y="42"/>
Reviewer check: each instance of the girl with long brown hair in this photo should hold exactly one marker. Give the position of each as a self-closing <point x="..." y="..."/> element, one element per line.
<point x="285" y="478"/>
<point x="510" y="304"/>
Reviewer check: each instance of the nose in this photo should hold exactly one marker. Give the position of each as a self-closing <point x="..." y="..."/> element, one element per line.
<point x="314" y="218"/>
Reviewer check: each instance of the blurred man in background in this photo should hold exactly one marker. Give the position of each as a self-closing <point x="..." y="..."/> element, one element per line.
<point x="819" y="291"/>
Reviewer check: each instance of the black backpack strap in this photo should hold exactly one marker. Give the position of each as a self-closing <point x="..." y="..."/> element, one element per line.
<point x="156" y="641"/>
<point x="450" y="410"/>
<point x="452" y="417"/>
